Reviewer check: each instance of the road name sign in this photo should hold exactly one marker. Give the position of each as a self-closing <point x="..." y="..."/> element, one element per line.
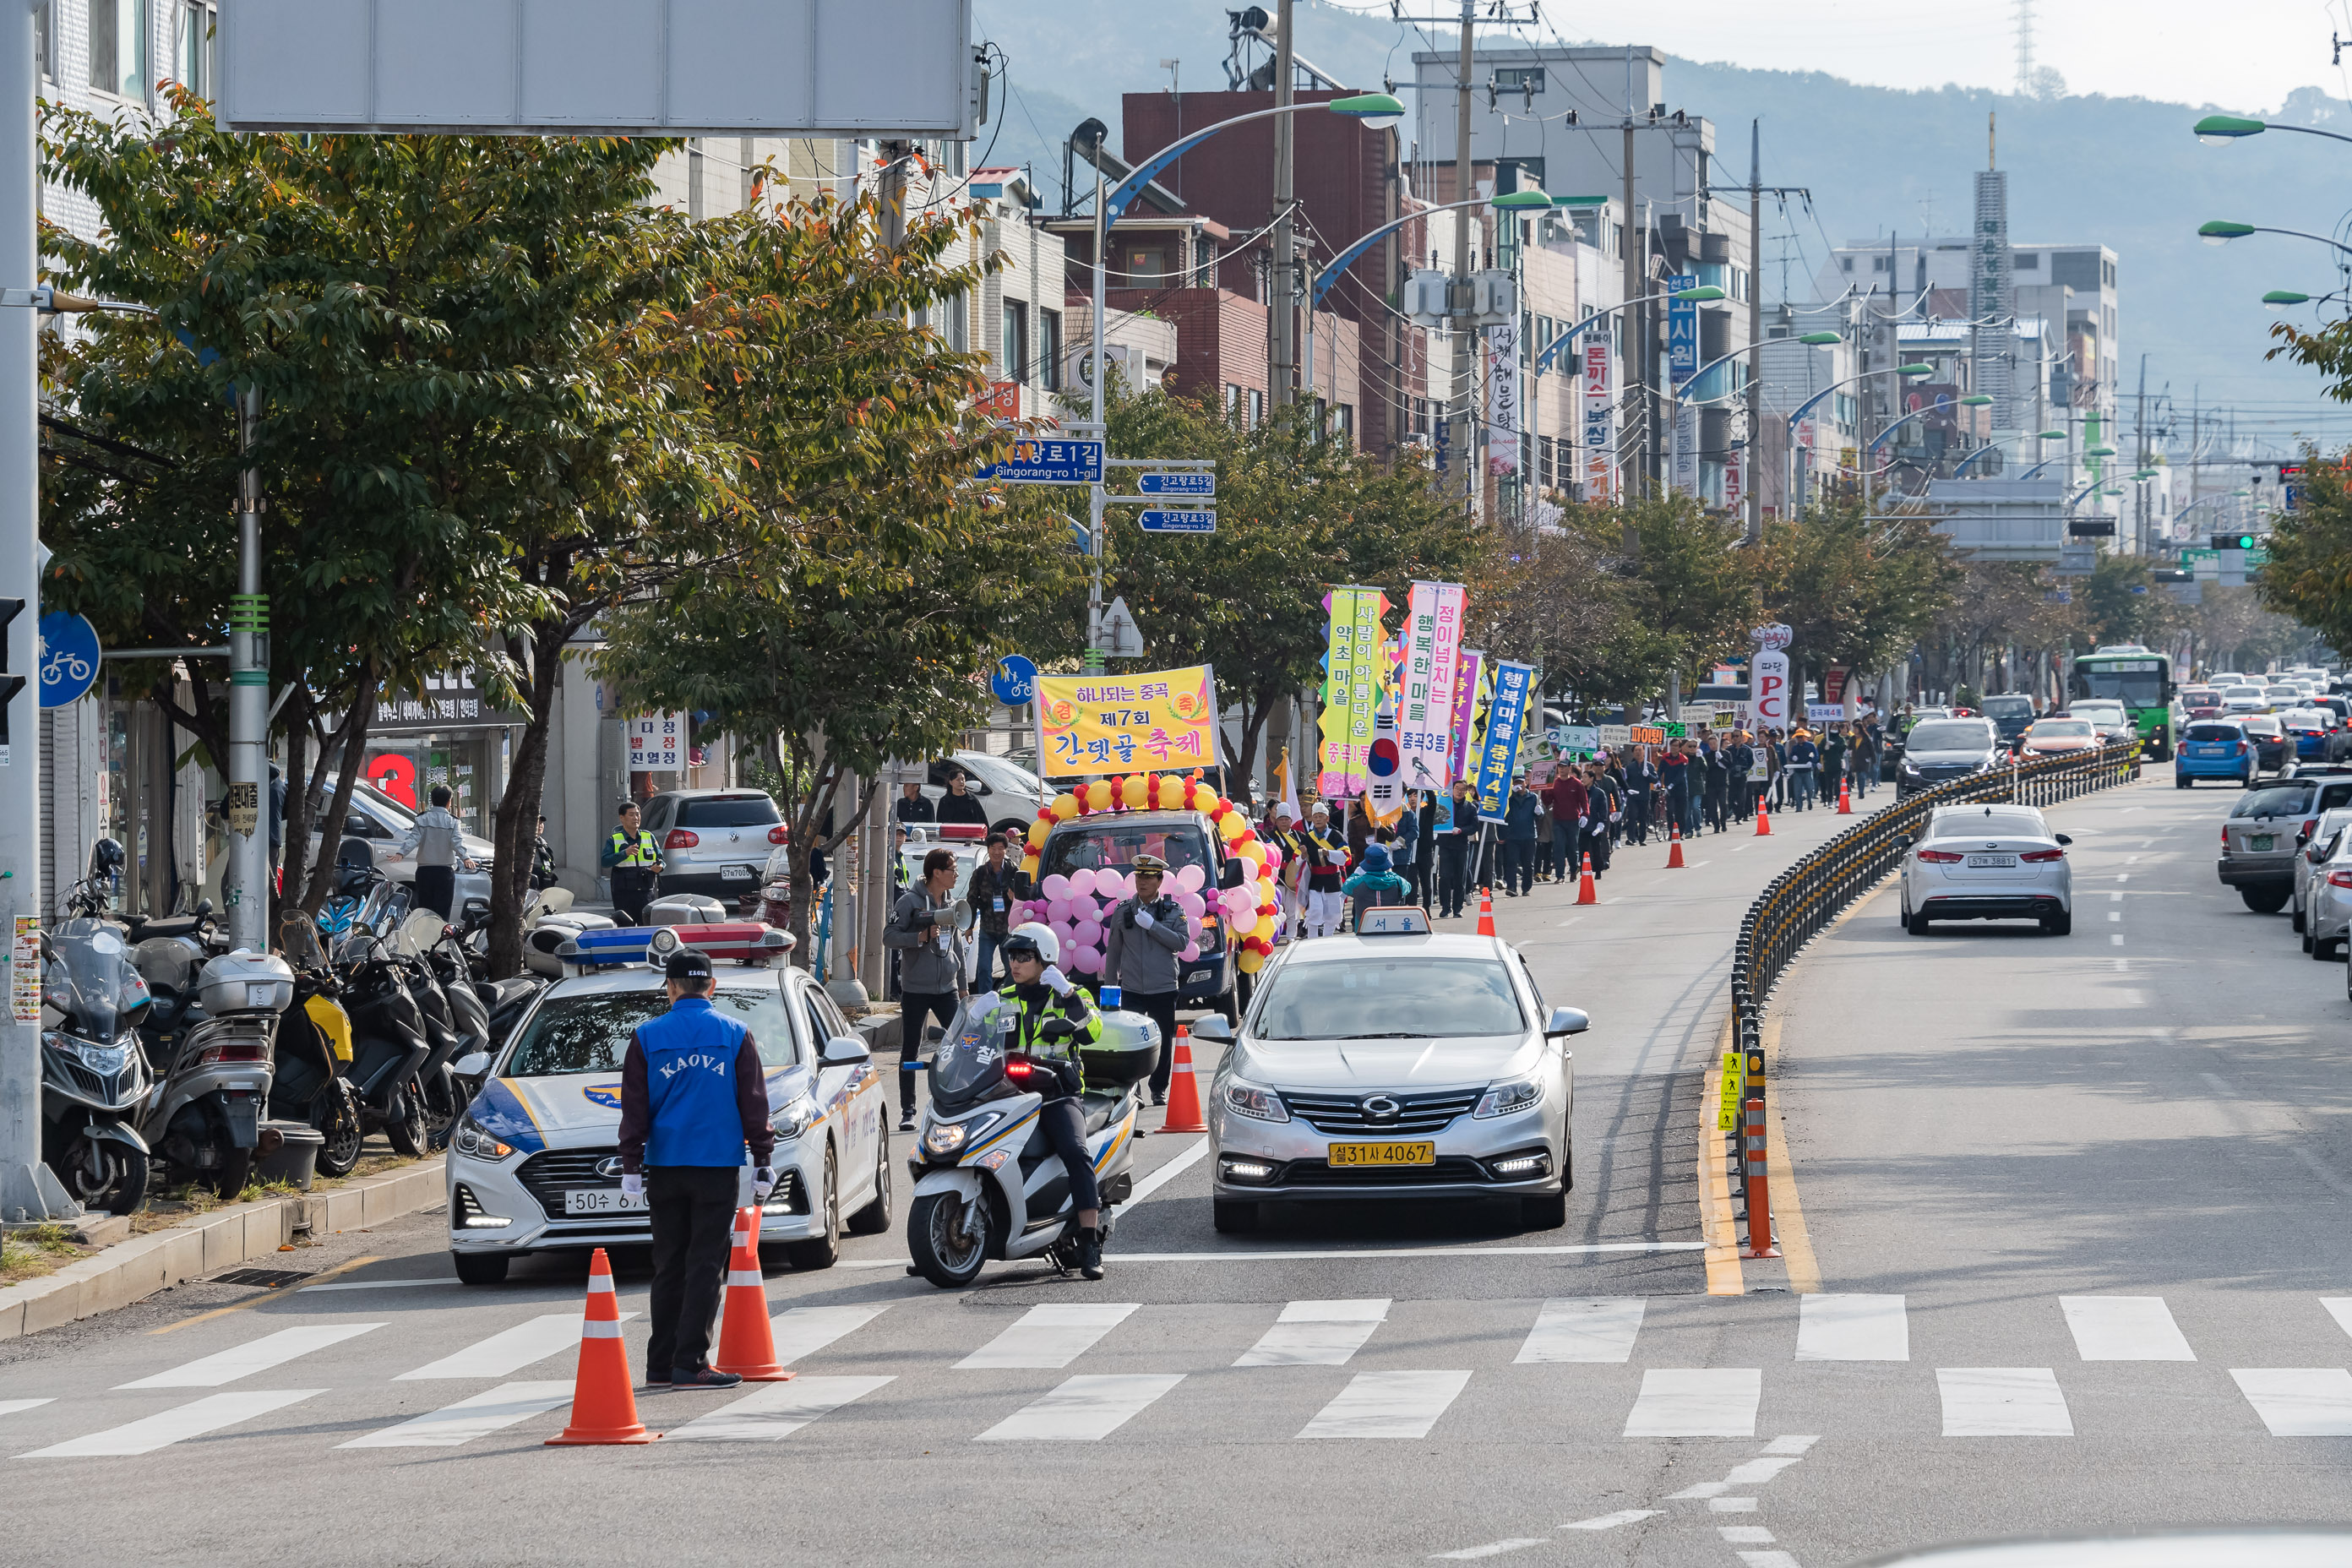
<point x="1201" y="484"/>
<point x="1157" y="522"/>
<point x="1054" y="461"/>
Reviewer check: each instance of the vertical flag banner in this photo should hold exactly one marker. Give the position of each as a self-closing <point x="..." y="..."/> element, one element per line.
<point x="1469" y="667"/>
<point x="1355" y="668"/>
<point x="1600" y="437"/>
<point x="1433" y="646"/>
<point x="1498" y="755"/>
<point x="1384" y="781"/>
<point x="1503" y="396"/>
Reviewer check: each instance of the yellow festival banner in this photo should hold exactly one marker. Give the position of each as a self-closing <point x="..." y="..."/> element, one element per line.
<point x="1118" y="724"/>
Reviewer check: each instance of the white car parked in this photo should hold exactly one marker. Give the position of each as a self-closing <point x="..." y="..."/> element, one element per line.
<point x="1987" y="863"/>
<point x="2328" y="899"/>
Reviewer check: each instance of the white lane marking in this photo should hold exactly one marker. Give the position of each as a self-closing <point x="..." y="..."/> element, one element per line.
<point x="2131" y="859"/>
<point x="378" y="1284"/>
<point x="1791" y="1445"/>
<point x="2299" y="1402"/>
<point x="2122" y="877"/>
<point x="1696" y="864"/>
<point x="10" y="1406"/>
<point x="257" y="1355"/>
<point x="1731" y="1505"/>
<point x="1698" y="1490"/>
<point x="1756" y="1472"/>
<point x="1570" y="1330"/>
<point x="2003" y="1402"/>
<point x="1611" y="1521"/>
<point x="1697" y="1402"/>
<point x="193" y="1420"/>
<point x="1571" y="919"/>
<point x="2114" y="916"/>
<point x="804" y="1330"/>
<point x="1467" y="1249"/>
<point x="2340" y="1309"/>
<point x="1853" y="1327"/>
<point x="777" y="1410"/>
<point x="1768" y="1559"/>
<point x="1738" y="847"/>
<point x="1083" y="1409"/>
<point x="504" y="1355"/>
<point x="1618" y="899"/>
<point x="1184" y="1160"/>
<point x="2123" y="966"/>
<point x="1051" y="1336"/>
<point x="2116" y="938"/>
<point x="1744" y="1534"/>
<point x="2115" y="897"/>
<point x="1388" y="1405"/>
<point x="1316" y="1333"/>
<point x="2124" y="1328"/>
<point x="1492" y="1549"/>
<point x="492" y="1410"/>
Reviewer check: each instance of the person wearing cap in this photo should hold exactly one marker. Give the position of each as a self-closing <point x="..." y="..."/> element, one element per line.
<point x="1055" y="1021"/>
<point x="1141" y="938"/>
<point x="1519" y="839"/>
<point x="1803" y="757"/>
<point x="633" y="861"/>
<point x="693" y="1102"/>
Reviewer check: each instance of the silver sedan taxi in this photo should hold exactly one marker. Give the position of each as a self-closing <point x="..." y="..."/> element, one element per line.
<point x="1393" y="1063"/>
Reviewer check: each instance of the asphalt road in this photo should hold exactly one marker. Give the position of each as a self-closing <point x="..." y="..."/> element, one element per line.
<point x="1350" y="1387"/>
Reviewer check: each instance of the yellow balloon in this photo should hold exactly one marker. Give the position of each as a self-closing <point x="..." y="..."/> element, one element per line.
<point x="1231" y="826"/>
<point x="1038" y="832"/>
<point x="1098" y="794"/>
<point x="1203" y="797"/>
<point x="1255" y="853"/>
<point x="1065" y="807"/>
<point x="1029" y="864"/>
<point x="1139" y="792"/>
<point x="1250" y="962"/>
<point x="1265" y="890"/>
<point x="1263" y="929"/>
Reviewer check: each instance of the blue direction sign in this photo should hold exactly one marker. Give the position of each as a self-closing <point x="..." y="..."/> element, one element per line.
<point x="1202" y="483"/>
<point x="1050" y="462"/>
<point x="1014" y="680"/>
<point x="1178" y="523"/>
<point x="68" y="658"/>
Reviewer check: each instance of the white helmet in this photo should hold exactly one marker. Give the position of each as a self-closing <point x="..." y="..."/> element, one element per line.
<point x="1033" y="937"/>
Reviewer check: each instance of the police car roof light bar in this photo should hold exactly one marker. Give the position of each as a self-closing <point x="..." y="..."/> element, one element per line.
<point x="747" y="943"/>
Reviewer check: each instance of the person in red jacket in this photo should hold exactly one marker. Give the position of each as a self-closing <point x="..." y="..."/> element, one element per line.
<point x="1567" y="793"/>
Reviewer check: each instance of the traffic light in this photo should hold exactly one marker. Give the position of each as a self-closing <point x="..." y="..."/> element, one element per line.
<point x="2234" y="542"/>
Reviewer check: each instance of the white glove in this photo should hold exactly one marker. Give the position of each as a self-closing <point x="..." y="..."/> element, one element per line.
<point x="1055" y="981"/>
<point x="982" y="1006"/>
<point x="633" y="1186"/>
<point x="1143" y="918"/>
<point x="764" y="1181"/>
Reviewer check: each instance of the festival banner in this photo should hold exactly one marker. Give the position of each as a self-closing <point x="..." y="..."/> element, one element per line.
<point x="1119" y="723"/>
<point x="1355" y="668"/>
<point x="1498" y="755"/>
<point x="1600" y="434"/>
<point x="1469" y="676"/>
<point x="1432" y="626"/>
<point x="1384" y="781"/>
<point x="1503" y="398"/>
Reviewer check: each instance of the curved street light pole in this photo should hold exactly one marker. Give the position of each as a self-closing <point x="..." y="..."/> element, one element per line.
<point x="1808" y="404"/>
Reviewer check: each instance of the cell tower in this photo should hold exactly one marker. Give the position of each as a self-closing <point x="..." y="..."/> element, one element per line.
<point x="2024" y="47"/>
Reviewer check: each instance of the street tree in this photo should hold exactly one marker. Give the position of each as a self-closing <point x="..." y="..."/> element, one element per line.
<point x="2309" y="575"/>
<point x="1855" y="587"/>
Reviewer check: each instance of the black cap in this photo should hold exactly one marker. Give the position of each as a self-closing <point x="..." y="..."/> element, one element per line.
<point x="687" y="963"/>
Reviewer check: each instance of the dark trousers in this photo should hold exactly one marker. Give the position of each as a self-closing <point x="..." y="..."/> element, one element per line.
<point x="436" y="889"/>
<point x="1065" y="1126"/>
<point x="1564" y="831"/>
<point x="1596" y="844"/>
<point x="693" y="1213"/>
<point x="917" y="1008"/>
<point x="1453" y="856"/>
<point x="632" y="889"/>
<point x="1519" y="864"/>
<point x="1637" y="815"/>
<point x="1743" y="799"/>
<point x="1159" y="1006"/>
<point x="1718" y="806"/>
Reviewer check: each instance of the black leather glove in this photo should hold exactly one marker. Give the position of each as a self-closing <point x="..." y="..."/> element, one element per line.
<point x="1072" y="1078"/>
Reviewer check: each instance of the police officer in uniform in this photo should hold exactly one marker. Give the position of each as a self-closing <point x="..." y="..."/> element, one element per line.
<point x="631" y="856"/>
<point x="1053" y="1020"/>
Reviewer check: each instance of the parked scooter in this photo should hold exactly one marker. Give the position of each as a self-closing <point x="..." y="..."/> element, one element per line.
<point x="93" y="1074"/>
<point x="314" y="1050"/>
<point x="216" y="1068"/>
<point x="972" y="1203"/>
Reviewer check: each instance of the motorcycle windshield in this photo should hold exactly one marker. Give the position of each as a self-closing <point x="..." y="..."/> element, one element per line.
<point x="89" y="978"/>
<point x="970" y="1059"/>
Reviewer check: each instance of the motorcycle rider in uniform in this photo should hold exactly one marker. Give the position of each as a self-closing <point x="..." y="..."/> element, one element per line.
<point x="1052" y="1019"/>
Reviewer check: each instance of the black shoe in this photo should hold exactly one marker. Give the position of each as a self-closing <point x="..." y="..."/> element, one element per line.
<point x="655" y="1382"/>
<point x="703" y="1377"/>
<point x="906" y="1121"/>
<point x="1090" y="1262"/>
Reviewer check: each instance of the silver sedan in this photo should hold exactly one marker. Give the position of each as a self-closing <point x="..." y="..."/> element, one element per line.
<point x="1394" y="1066"/>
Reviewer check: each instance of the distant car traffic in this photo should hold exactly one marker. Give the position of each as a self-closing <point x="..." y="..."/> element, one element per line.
<point x="2011" y="714"/>
<point x="2315" y="734"/>
<point x="1940" y="749"/>
<point x="2243" y="700"/>
<point x="2060" y="735"/>
<point x="2314" y="851"/>
<point x="2213" y="749"/>
<point x="2269" y="738"/>
<point x="2110" y="718"/>
<point x="2200" y="702"/>
<point x="1987" y="863"/>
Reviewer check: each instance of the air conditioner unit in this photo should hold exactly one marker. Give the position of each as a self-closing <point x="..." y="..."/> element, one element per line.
<point x="1128" y="363"/>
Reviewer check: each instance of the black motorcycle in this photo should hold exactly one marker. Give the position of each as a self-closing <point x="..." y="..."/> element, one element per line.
<point x="314" y="1047"/>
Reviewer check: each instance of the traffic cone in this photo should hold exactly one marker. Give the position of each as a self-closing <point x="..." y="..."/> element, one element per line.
<point x="1845" y="800"/>
<point x="1485" y="911"/>
<point x="1586" y="893"/>
<point x="603" y="1408"/>
<point x="1763" y="821"/>
<point x="1675" y="847"/>
<point x="746" y="1345"/>
<point x="1183" y="1089"/>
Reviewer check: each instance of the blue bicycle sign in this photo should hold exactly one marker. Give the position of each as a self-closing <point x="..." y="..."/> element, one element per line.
<point x="68" y="658"/>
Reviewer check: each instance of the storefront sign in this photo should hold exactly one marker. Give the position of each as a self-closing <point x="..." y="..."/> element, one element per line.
<point x="1682" y="330"/>
<point x="658" y="743"/>
<point x="449" y="702"/>
<point x="1432" y="641"/>
<point x="1503" y="398"/>
<point x="1119" y="723"/>
<point x="1767" y="677"/>
<point x="1599" y="437"/>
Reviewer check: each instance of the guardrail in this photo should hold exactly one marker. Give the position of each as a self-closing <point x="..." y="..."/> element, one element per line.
<point x="1798" y="903"/>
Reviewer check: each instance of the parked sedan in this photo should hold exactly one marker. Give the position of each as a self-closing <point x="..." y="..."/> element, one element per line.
<point x="714" y="842"/>
<point x="1987" y="863"/>
<point x="2060" y="735"/>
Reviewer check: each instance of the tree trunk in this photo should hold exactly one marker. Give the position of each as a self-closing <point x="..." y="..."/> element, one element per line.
<point x="351" y="739"/>
<point x="515" y="825"/>
<point x="806" y="813"/>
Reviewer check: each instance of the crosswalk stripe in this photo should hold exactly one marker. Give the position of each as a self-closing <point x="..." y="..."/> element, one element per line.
<point x="209" y="1413"/>
<point x="2340" y="1309"/>
<point x="2003" y="1402"/>
<point x="804" y="1330"/>
<point x="1051" y="1336"/>
<point x="1317" y="1333"/>
<point x="775" y="1411"/>
<point x="1492" y="1549"/>
<point x="2299" y="1402"/>
<point x="505" y="1353"/>
<point x="1756" y="1472"/>
<point x="1388" y="1405"/>
<point x="1697" y="1402"/>
<point x="257" y="1355"/>
<point x="477" y="1417"/>
<point x="1574" y="1330"/>
<point x="1083" y="1409"/>
<point x="1611" y="1521"/>
<point x="1853" y="1327"/>
<point x="10" y="1406"/>
<point x="2124" y="1328"/>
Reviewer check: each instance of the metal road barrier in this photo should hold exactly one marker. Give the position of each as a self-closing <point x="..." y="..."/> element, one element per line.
<point x="1809" y="895"/>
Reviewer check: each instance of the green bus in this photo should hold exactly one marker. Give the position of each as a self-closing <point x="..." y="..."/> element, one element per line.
<point x="2138" y="677"/>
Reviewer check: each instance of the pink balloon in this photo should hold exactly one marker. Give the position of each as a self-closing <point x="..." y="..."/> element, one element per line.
<point x="1123" y="886"/>
<point x="1191" y="951"/>
<point x="1086" y="961"/>
<point x="1055" y="886"/>
<point x="1192" y="904"/>
<point x="1192" y="928"/>
<point x="1189" y="877"/>
<point x="1058" y="911"/>
<point x="1089" y="934"/>
<point x="1065" y="933"/>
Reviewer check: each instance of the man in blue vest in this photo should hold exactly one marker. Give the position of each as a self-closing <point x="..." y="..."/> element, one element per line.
<point x="693" y="1097"/>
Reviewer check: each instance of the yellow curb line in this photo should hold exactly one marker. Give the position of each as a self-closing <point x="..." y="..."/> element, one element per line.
<point x="1787" y="1214"/>
<point x="277" y="1295"/>
<point x="1723" y="1273"/>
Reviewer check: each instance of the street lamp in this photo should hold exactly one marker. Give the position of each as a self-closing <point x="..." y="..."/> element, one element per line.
<point x="1962" y="466"/>
<point x="2221" y="231"/>
<point x="1822" y="340"/>
<point x="1807" y="406"/>
<point x="2221" y="129"/>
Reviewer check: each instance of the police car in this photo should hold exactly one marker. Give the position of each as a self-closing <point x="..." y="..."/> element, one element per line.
<point x="534" y="1162"/>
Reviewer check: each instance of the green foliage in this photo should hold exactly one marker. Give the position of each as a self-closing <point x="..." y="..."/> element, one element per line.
<point x="2310" y="573"/>
<point x="2121" y="603"/>
<point x="1855" y="589"/>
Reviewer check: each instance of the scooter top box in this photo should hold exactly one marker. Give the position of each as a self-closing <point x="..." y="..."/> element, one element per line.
<point x="1125" y="1056"/>
<point x="244" y="982"/>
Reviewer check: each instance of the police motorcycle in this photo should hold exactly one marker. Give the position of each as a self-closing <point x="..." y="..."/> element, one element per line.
<point x="93" y="1074"/>
<point x="987" y="1183"/>
<point x="314" y="1048"/>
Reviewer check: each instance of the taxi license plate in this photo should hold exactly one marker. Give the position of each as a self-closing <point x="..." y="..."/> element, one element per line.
<point x="1989" y="862"/>
<point x="1383" y="1153"/>
<point x="735" y="873"/>
<point x="601" y="1200"/>
<point x="2258" y="842"/>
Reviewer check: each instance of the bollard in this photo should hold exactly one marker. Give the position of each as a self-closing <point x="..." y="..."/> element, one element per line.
<point x="1759" y="1196"/>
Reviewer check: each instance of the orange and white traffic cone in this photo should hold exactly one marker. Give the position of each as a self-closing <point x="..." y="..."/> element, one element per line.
<point x="1586" y="892"/>
<point x="1763" y="822"/>
<point x="1675" y="847"/>
<point x="1845" y="799"/>
<point x="1485" y="911"/>
<point x="1183" y="1089"/>
<point x="747" y="1344"/>
<point x="603" y="1408"/>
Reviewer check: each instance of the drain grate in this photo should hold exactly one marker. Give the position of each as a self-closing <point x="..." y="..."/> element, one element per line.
<point x="273" y="1278"/>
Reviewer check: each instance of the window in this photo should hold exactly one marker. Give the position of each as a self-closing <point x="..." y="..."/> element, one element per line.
<point x="192" y="47"/>
<point x="2027" y="261"/>
<point x="728" y="811"/>
<point x="956" y="322"/>
<point x="694" y="176"/>
<point x="1015" y="356"/>
<point x="1256" y="408"/>
<point x="1845" y="263"/>
<point x="45" y="38"/>
<point x="118" y="47"/>
<point x="1232" y="399"/>
<point x="1518" y="78"/>
<point x="1408" y="998"/>
<point x="1049" y="348"/>
<point x="1878" y="264"/>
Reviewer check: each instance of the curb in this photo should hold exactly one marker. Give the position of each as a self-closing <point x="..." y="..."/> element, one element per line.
<point x="134" y="1269"/>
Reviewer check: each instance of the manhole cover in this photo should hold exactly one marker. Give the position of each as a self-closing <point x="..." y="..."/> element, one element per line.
<point x="273" y="1278"/>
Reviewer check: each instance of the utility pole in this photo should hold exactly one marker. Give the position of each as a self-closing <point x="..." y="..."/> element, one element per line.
<point x="244" y="882"/>
<point x="1755" y="496"/>
<point x="1283" y="339"/>
<point x="1466" y="338"/>
<point x="2139" y="423"/>
<point x="1630" y="325"/>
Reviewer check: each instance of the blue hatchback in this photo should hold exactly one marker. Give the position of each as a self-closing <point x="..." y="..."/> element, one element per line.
<point x="2213" y="749"/>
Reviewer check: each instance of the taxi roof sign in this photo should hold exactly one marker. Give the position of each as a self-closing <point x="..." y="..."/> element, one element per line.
<point x="1392" y="919"/>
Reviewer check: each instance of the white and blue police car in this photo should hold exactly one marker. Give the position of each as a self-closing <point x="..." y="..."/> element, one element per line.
<point x="534" y="1162"/>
